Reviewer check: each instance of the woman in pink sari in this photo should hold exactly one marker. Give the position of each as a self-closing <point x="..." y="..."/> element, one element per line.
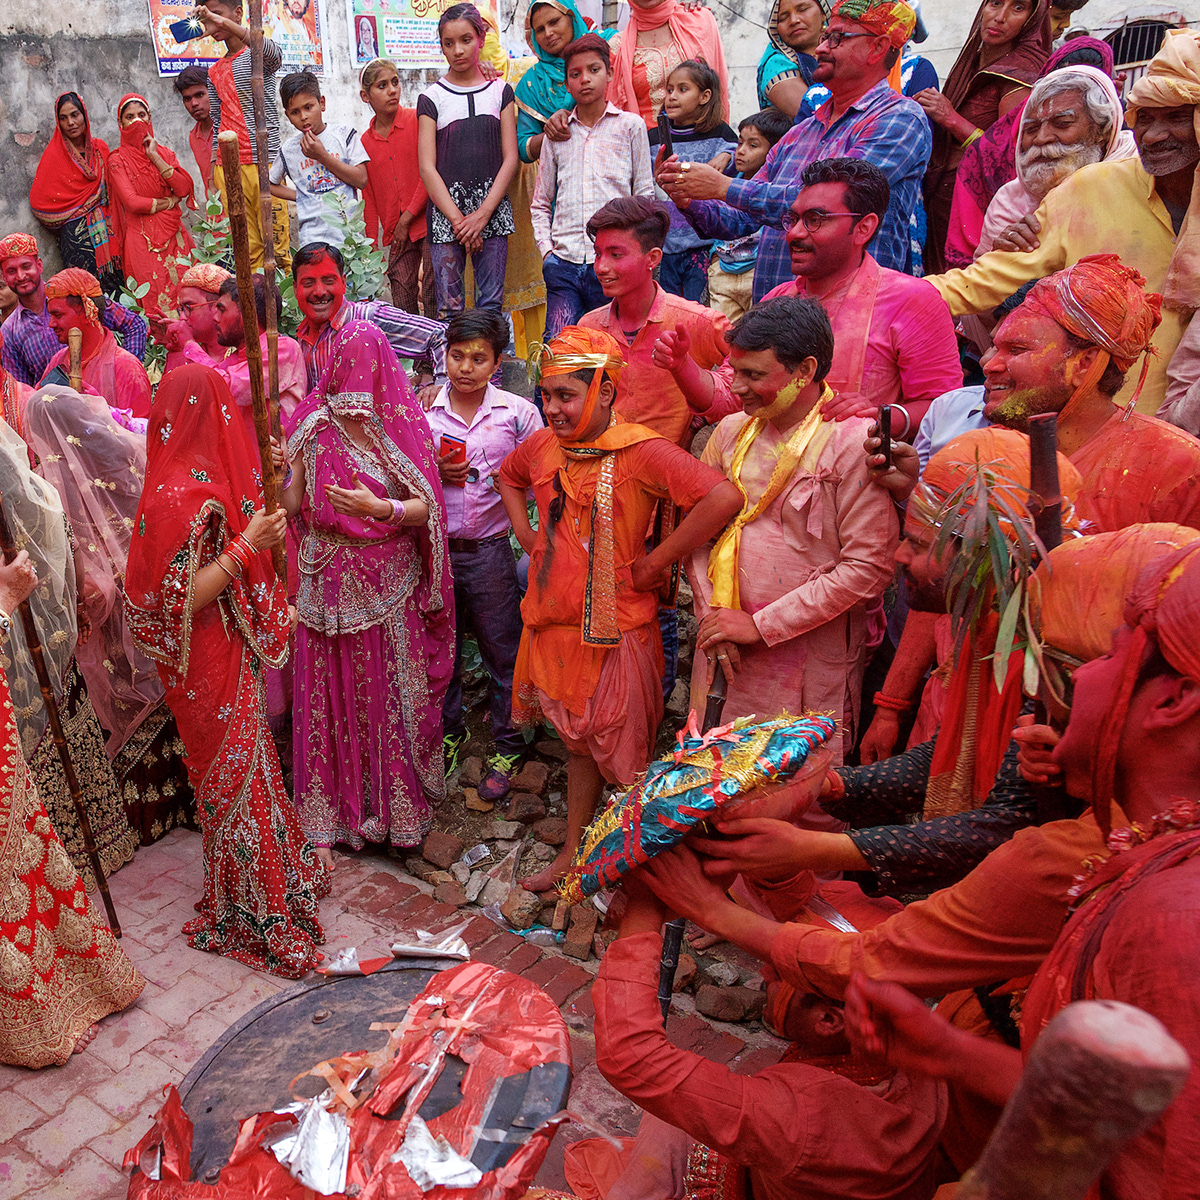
<point x="203" y="601"/>
<point x="375" y="644"/>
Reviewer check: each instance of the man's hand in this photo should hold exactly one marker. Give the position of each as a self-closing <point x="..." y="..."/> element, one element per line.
<point x="727" y="625"/>
<point x="427" y="394"/>
<point x="756" y="847"/>
<point x="672" y="349"/>
<point x="1035" y="757"/>
<point x="886" y="1021"/>
<point x="454" y="474"/>
<point x="558" y="128"/>
<point x="1021" y="236"/>
<point x="881" y="737"/>
<point x="901" y="477"/>
<point x="646" y="576"/>
<point x="399" y="236"/>
<point x="312" y="147"/>
<point x="677" y="878"/>
<point x="840" y="407"/>
<point x="691" y="180"/>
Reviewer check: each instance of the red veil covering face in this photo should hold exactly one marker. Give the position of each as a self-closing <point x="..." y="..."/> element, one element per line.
<point x="69" y="185"/>
<point x="98" y="469"/>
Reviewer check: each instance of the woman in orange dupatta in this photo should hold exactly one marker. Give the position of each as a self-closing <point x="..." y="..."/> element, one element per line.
<point x="149" y="187"/>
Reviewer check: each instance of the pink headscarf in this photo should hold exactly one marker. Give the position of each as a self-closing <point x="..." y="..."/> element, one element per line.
<point x="696" y="35"/>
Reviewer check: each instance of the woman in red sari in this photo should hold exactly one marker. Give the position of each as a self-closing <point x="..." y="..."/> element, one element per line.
<point x="148" y="189"/>
<point x="70" y="194"/>
<point x="204" y="603"/>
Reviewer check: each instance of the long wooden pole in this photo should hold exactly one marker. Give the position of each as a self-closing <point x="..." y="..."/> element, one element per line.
<point x="34" y="643"/>
<point x="239" y="235"/>
<point x="1043" y="477"/>
<point x="75" y="358"/>
<point x="258" y="97"/>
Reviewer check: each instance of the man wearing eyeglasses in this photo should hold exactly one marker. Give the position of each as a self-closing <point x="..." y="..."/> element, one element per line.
<point x="893" y="335"/>
<point x="195" y="302"/>
<point x="864" y="118"/>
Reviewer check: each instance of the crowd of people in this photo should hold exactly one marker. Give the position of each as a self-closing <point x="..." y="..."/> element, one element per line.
<point x="713" y="320"/>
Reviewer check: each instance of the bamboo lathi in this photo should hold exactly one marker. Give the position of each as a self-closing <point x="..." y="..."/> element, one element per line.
<point x="75" y="359"/>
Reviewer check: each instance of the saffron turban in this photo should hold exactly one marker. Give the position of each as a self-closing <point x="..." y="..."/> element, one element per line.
<point x="885" y="18"/>
<point x="18" y="244"/>
<point x="1004" y="454"/>
<point x="576" y="349"/>
<point x="1102" y="302"/>
<point x="1077" y="594"/>
<point x="208" y="277"/>
<point x="75" y="281"/>
<point x="1172" y="80"/>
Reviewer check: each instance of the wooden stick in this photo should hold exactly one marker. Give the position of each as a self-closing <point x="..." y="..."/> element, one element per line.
<point x="34" y="643"/>
<point x="1100" y="1074"/>
<point x="266" y="221"/>
<point x="75" y="358"/>
<point x="239" y="235"/>
<point x="1043" y="477"/>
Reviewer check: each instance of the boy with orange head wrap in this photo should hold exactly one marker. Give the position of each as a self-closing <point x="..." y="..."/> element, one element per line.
<point x="591" y="653"/>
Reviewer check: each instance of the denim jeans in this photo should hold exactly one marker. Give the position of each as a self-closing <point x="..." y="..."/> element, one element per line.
<point x="571" y="290"/>
<point x="685" y="274"/>
<point x="488" y="604"/>
<point x="450" y="265"/>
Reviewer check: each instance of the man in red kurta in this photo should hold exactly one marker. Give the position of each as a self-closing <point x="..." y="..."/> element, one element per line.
<point x="591" y="654"/>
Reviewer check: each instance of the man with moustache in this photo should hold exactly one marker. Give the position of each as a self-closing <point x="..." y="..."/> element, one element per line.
<point x="1137" y="208"/>
<point x="864" y="118"/>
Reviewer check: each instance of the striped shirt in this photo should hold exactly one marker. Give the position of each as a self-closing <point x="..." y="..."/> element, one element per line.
<point x="231" y="104"/>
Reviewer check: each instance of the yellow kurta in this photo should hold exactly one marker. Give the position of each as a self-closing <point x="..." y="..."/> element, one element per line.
<point x="1107" y="208"/>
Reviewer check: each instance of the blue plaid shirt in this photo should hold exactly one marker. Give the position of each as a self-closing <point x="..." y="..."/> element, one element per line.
<point x="30" y="343"/>
<point x="881" y="126"/>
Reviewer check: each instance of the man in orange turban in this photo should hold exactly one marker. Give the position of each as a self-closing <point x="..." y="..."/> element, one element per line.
<point x="108" y="370"/>
<point x="591" y="655"/>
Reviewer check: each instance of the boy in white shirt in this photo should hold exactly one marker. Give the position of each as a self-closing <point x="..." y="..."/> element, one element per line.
<point x="319" y="159"/>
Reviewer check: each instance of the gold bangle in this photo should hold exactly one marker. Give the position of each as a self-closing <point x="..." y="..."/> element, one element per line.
<point x="972" y="139"/>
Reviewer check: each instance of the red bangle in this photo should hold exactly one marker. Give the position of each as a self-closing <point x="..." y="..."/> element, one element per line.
<point x="239" y="551"/>
<point x="890" y="702"/>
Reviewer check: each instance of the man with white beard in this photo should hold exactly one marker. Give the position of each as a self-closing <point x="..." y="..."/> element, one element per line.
<point x="1073" y="118"/>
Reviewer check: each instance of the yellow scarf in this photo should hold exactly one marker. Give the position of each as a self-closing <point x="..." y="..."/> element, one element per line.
<point x="723" y="560"/>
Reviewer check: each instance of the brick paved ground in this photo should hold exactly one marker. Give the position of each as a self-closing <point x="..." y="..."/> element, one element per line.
<point x="64" y="1131"/>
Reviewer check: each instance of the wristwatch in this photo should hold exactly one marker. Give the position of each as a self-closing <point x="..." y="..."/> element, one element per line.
<point x="5" y="625"/>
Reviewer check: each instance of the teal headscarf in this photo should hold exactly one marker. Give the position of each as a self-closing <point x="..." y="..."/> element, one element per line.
<point x="542" y="90"/>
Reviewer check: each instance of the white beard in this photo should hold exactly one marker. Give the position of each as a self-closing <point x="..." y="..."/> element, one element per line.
<point x="1042" y="168"/>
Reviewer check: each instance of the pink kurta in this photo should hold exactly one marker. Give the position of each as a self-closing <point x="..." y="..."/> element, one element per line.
<point x="810" y="568"/>
<point x="113" y="373"/>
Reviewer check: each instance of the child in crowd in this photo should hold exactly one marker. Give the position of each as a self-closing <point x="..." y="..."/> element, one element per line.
<point x="467" y="149"/>
<point x="320" y="160"/>
<point x="591" y="655"/>
<point x="698" y="134"/>
<point x="731" y="268"/>
<point x="475" y="427"/>
<point x="191" y="86"/>
<point x="394" y="199"/>
<point x="608" y="155"/>
<point x="231" y="105"/>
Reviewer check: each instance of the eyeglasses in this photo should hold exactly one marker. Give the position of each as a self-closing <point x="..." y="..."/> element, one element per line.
<point x="833" y="38"/>
<point x="813" y="218"/>
<point x="186" y="310"/>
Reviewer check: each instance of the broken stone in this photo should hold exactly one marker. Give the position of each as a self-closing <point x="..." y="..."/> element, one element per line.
<point x="460" y="872"/>
<point x="475" y="885"/>
<point x="542" y="852"/>
<point x="495" y="891"/>
<point x="506" y="829"/>
<point x="505" y="845"/>
<point x="580" y="929"/>
<point x="722" y="974"/>
<point x="685" y="972"/>
<point x="471" y="771"/>
<point x="442" y="849"/>
<point x="419" y="868"/>
<point x="546" y="917"/>
<point x="729" y="1003"/>
<point x="475" y="803"/>
<point x="754" y="981"/>
<point x="533" y="778"/>
<point x="598" y="946"/>
<point x="562" y="914"/>
<point x="450" y="893"/>
<point x="437" y="878"/>
<point x="680" y="700"/>
<point x="521" y="908"/>
<point x="551" y="830"/>
<point x="526" y="808"/>
<point x="550" y="748"/>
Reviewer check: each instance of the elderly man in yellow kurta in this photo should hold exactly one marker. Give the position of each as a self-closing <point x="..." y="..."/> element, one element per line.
<point x="1145" y="210"/>
<point x="787" y="596"/>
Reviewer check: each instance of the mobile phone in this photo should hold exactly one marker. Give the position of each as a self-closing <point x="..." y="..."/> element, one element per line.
<point x="456" y="448"/>
<point x="187" y="30"/>
<point x="885" y="435"/>
<point x="664" y="134"/>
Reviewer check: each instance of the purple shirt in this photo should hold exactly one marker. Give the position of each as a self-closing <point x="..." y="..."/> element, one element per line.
<point x="502" y="422"/>
<point x="30" y="343"/>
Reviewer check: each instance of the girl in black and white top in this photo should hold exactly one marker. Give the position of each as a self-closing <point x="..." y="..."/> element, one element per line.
<point x="467" y="149"/>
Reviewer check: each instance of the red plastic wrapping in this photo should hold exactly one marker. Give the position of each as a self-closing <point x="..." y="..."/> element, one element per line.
<point x="499" y="1024"/>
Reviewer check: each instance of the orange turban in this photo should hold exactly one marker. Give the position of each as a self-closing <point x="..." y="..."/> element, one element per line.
<point x="18" y="244"/>
<point x="1004" y="453"/>
<point x="576" y="349"/>
<point x="1077" y="595"/>
<point x="885" y="18"/>
<point x="208" y="277"/>
<point x="75" y="281"/>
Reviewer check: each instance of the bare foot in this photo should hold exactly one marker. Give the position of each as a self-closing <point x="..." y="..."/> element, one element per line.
<point x="85" y="1039"/>
<point x="545" y="879"/>
<point x="325" y="854"/>
<point x="702" y="941"/>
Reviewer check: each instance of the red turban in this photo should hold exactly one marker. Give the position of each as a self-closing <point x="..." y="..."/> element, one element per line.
<point x="1164" y="605"/>
<point x="18" y="244"/>
<point x="208" y="277"/>
<point x="75" y="281"/>
<point x="885" y="18"/>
